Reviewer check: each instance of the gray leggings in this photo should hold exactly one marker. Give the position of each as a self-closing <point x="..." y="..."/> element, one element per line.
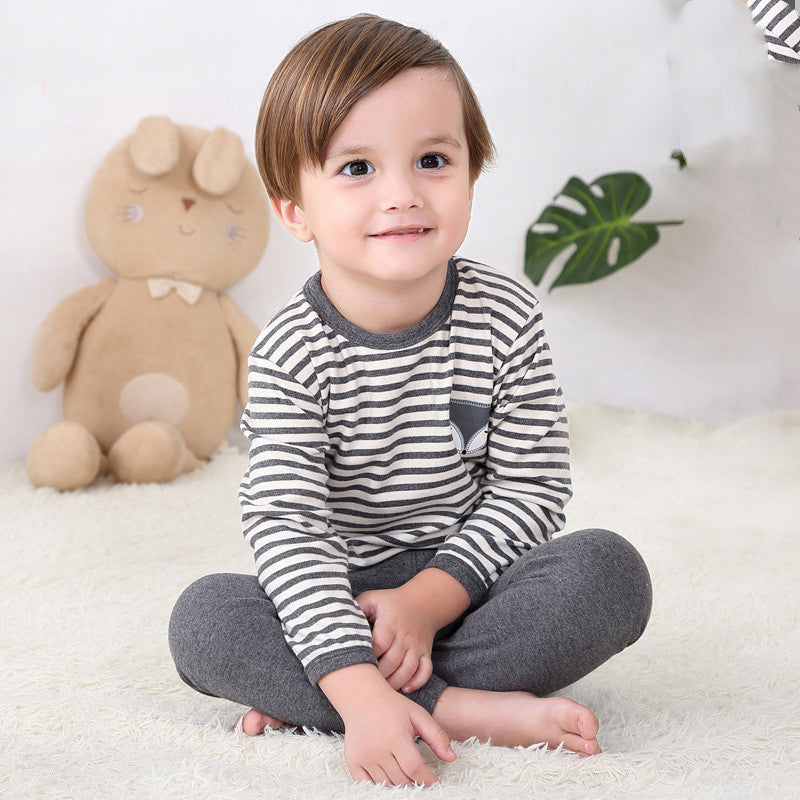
<point x="553" y="616"/>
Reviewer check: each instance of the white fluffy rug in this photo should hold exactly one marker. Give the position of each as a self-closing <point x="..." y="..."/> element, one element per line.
<point x="706" y="705"/>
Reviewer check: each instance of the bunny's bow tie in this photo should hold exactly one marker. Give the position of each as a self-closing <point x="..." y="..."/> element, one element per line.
<point x="161" y="287"/>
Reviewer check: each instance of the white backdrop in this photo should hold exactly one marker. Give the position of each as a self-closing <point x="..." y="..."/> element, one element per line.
<point x="705" y="324"/>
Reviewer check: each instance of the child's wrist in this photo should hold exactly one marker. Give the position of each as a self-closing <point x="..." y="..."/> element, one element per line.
<point x="441" y="598"/>
<point x="350" y="689"/>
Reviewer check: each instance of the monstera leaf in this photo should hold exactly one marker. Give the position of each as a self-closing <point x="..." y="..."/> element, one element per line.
<point x="604" y="236"/>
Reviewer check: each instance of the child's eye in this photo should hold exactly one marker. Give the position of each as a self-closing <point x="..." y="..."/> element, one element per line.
<point x="355" y="169"/>
<point x="432" y="161"/>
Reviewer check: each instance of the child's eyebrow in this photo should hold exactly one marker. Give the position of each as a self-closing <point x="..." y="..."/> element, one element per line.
<point x="442" y="138"/>
<point x="349" y="150"/>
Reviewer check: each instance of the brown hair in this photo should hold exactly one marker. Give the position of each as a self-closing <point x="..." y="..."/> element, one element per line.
<point x="326" y="74"/>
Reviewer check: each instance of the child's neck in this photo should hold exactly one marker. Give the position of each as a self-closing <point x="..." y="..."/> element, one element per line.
<point x="381" y="307"/>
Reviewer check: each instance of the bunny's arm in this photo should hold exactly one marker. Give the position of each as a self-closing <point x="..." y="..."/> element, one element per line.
<point x="57" y="342"/>
<point x="243" y="332"/>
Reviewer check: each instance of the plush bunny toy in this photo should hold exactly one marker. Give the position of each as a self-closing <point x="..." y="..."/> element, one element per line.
<point x="154" y="360"/>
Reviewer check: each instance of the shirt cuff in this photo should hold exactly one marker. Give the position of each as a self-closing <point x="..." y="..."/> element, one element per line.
<point x="346" y="657"/>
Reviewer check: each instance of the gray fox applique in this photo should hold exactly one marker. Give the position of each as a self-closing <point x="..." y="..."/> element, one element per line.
<point x="469" y="424"/>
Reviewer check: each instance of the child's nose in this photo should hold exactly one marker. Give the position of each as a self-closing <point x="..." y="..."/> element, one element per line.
<point x="399" y="192"/>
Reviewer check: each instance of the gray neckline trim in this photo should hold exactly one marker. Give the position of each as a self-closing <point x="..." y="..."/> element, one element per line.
<point x="434" y="321"/>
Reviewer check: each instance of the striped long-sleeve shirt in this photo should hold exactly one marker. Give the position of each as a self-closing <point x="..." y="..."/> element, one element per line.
<point x="449" y="435"/>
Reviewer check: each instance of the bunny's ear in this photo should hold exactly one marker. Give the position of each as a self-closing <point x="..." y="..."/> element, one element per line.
<point x="219" y="162"/>
<point x="154" y="145"/>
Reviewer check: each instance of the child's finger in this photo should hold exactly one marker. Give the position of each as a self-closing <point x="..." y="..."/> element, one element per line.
<point x="382" y="640"/>
<point x="407" y="767"/>
<point x="378" y="775"/>
<point x="420" y="677"/>
<point x="410" y="761"/>
<point x="404" y="671"/>
<point x="390" y="660"/>
<point x="388" y="772"/>
<point x="359" y="774"/>
<point x="433" y="734"/>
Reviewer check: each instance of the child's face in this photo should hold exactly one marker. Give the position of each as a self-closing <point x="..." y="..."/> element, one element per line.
<point x="392" y="202"/>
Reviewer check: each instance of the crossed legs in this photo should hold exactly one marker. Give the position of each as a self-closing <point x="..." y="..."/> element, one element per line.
<point x="552" y="617"/>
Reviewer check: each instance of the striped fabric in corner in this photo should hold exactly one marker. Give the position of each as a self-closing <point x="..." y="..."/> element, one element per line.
<point x="781" y="24"/>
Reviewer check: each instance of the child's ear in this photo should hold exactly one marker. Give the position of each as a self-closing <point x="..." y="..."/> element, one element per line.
<point x="292" y="217"/>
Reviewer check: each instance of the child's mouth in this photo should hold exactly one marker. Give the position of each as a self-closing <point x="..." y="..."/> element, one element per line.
<point x="401" y="232"/>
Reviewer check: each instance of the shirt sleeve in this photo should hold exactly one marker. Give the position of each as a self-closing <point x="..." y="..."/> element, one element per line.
<point x="527" y="479"/>
<point x="301" y="564"/>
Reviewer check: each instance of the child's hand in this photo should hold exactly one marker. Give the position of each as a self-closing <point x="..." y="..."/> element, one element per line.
<point x="402" y="636"/>
<point x="405" y="620"/>
<point x="380" y="727"/>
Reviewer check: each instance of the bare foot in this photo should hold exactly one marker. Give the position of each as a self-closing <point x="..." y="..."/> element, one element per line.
<point x="254" y="723"/>
<point x="517" y="718"/>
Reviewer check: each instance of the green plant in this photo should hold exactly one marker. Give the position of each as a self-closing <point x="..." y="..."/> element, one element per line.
<point x="604" y="236"/>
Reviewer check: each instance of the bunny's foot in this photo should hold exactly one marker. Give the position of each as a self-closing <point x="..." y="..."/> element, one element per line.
<point x="66" y="456"/>
<point x="150" y="452"/>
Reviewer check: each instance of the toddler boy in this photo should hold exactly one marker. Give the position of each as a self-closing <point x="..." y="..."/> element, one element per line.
<point x="408" y="445"/>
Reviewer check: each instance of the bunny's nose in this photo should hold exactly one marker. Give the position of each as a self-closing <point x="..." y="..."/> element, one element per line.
<point x="188" y="202"/>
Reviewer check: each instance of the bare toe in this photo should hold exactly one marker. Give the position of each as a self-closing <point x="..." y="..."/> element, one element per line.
<point x="254" y="723"/>
<point x="578" y="726"/>
<point x="584" y="747"/>
<point x="584" y="722"/>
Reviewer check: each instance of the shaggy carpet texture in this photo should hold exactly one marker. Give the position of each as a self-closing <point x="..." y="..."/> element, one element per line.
<point x="705" y="705"/>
